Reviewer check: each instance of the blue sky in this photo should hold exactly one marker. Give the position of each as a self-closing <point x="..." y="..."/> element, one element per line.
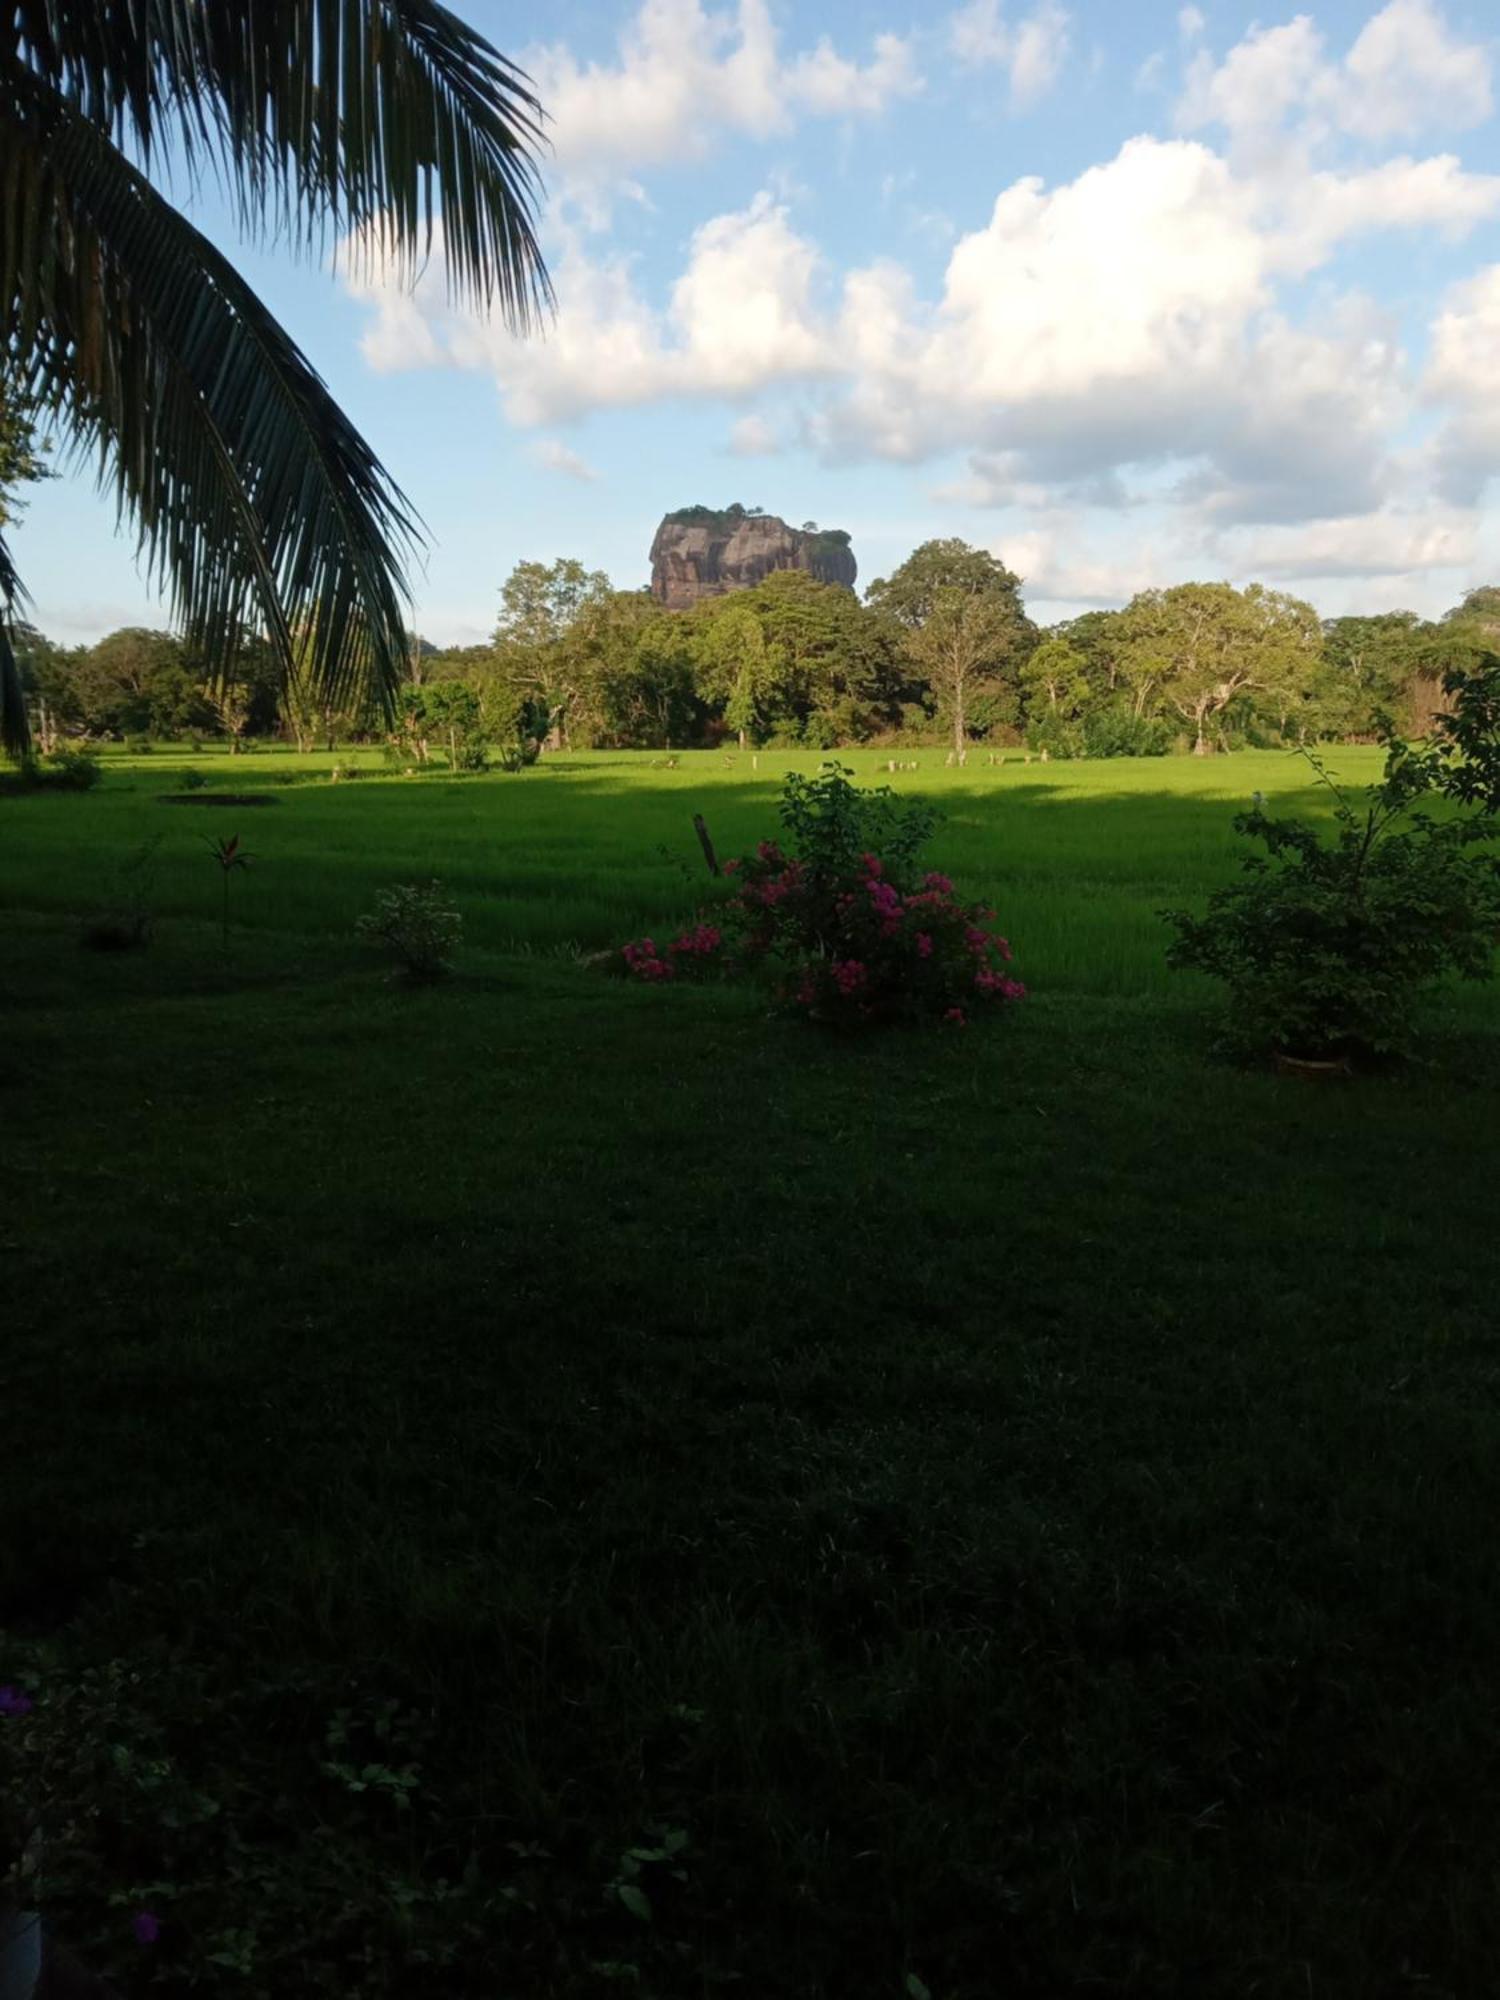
<point x="1128" y="293"/>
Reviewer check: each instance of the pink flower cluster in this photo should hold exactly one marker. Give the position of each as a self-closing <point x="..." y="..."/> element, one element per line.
<point x="850" y="943"/>
<point x="694" y="948"/>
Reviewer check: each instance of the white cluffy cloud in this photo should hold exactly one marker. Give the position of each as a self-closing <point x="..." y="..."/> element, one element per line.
<point x="1031" y="50"/>
<point x="556" y="456"/>
<point x="1404" y="73"/>
<point x="1463" y="377"/>
<point x="684" y="74"/>
<point x="753" y="437"/>
<point x="1127" y="318"/>
<point x="1138" y="337"/>
<point x="741" y="316"/>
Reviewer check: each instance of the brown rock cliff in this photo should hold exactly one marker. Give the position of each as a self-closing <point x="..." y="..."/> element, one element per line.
<point x="700" y="553"/>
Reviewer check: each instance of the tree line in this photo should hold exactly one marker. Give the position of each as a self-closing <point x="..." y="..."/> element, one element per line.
<point x="941" y="650"/>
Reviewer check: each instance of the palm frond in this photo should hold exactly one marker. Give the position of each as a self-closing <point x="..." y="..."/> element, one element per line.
<point x="383" y="119"/>
<point x="256" y="501"/>
<point x="15" y="729"/>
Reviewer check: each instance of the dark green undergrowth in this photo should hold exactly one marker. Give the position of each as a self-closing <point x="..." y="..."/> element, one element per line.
<point x="1005" y="1511"/>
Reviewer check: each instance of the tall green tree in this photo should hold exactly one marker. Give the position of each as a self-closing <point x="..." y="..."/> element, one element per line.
<point x="1373" y="666"/>
<point x="965" y="630"/>
<point x="544" y="642"/>
<point x="22" y="460"/>
<point x="256" y="501"/>
<point x="1201" y="646"/>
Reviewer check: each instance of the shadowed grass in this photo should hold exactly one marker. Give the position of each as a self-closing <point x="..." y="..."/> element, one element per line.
<point x="1018" y="1501"/>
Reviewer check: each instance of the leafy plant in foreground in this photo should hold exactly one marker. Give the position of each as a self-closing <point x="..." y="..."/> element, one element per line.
<point x="1327" y="946"/>
<point x="417" y="925"/>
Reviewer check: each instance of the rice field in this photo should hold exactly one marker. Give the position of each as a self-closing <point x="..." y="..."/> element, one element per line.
<point x="1000" y="1513"/>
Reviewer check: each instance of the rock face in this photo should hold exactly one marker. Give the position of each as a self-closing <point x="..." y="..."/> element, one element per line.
<point x="699" y="552"/>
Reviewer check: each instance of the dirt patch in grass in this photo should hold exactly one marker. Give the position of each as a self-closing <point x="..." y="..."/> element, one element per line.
<point x="216" y="799"/>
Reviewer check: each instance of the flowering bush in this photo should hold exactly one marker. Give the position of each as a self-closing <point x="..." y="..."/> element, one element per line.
<point x="857" y="948"/>
<point x="692" y="952"/>
<point x="852" y="931"/>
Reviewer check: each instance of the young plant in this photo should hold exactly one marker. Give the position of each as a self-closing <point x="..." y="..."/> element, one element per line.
<point x="418" y="926"/>
<point x="231" y="857"/>
<point x="1328" y="945"/>
<point x="126" y="924"/>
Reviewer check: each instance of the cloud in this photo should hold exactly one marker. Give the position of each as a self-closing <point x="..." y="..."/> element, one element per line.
<point x="1141" y="334"/>
<point x="1404" y="72"/>
<point x="753" y="437"/>
<point x="741" y="316"/>
<point x="558" y="457"/>
<point x="1031" y="51"/>
<point x="1384" y="543"/>
<point x="684" y="75"/>
<point x="1463" y="374"/>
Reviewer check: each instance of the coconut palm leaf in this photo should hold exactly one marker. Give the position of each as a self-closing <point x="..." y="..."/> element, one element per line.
<point x="380" y="117"/>
<point x="13" y="729"/>
<point x="256" y="502"/>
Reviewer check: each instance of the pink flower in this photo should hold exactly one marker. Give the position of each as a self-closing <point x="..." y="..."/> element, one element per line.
<point x="939" y="882"/>
<point x="146" y="1927"/>
<point x="924" y="945"/>
<point x="873" y="864"/>
<point x="1013" y="989"/>
<point x="849" y="976"/>
<point x="957" y="1017"/>
<point x="1002" y="946"/>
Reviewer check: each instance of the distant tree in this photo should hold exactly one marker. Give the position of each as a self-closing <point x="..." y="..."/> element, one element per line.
<point x="49" y="684"/>
<point x="138" y="682"/>
<point x="963" y="625"/>
<point x="1480" y="610"/>
<point x="1055" y="678"/>
<point x="1372" y="667"/>
<point x="1202" y="646"/>
<point x="542" y="649"/>
<point x="452" y="709"/>
<point x="735" y="670"/>
<point x="22" y="459"/>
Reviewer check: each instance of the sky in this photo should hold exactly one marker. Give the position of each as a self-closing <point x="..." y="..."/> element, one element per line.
<point x="1129" y="294"/>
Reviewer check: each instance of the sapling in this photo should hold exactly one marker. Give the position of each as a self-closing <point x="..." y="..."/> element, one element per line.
<point x="230" y="856"/>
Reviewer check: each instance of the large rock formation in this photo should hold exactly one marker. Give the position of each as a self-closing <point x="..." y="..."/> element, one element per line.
<point x="699" y="552"/>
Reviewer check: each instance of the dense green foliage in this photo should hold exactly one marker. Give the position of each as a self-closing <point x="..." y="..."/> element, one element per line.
<point x="1329" y="946"/>
<point x="942" y="650"/>
<point x="527" y="1478"/>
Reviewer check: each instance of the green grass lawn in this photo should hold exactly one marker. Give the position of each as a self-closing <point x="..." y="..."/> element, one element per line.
<point x="999" y="1512"/>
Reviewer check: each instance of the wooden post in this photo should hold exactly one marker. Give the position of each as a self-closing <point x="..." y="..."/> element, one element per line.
<point x="706" y="844"/>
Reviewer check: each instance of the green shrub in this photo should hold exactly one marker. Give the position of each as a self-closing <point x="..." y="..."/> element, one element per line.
<point x="68" y="771"/>
<point x="417" y="925"/>
<point x="1327" y="946"/>
<point x="192" y="780"/>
